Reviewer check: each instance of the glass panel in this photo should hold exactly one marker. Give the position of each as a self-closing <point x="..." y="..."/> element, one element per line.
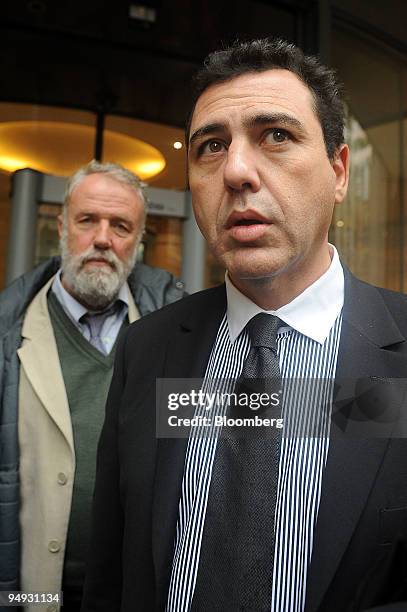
<point x="47" y="244"/>
<point x="367" y="227"/>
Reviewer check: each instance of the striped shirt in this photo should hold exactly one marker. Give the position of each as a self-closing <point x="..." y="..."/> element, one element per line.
<point x="303" y="356"/>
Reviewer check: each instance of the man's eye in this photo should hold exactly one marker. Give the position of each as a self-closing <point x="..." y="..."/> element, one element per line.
<point x="277" y="135"/>
<point x="211" y="146"/>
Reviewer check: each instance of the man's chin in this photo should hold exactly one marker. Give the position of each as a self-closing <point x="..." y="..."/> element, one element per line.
<point x="94" y="294"/>
<point x="253" y="269"/>
<point x="99" y="278"/>
<point x="256" y="263"/>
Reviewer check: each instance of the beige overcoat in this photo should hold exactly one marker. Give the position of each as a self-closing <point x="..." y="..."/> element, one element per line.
<point x="47" y="454"/>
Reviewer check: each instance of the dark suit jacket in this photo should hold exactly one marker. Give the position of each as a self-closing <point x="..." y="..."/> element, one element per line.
<point x="359" y="555"/>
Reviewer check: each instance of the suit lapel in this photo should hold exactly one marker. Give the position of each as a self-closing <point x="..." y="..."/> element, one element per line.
<point x="368" y="331"/>
<point x="352" y="461"/>
<point x="39" y="358"/>
<point x="187" y="356"/>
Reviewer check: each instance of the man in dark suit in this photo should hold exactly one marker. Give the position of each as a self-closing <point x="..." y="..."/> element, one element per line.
<point x="313" y="523"/>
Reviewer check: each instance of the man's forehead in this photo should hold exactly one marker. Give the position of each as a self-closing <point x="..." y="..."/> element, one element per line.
<point x="102" y="187"/>
<point x="98" y="182"/>
<point x="276" y="88"/>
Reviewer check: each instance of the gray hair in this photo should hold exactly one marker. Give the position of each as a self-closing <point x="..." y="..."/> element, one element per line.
<point x="110" y="169"/>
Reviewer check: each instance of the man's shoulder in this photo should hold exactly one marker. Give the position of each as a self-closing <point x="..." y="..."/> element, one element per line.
<point x="393" y="298"/>
<point x="396" y="303"/>
<point x="153" y="288"/>
<point x="197" y="306"/>
<point x="149" y="274"/>
<point x="16" y="298"/>
<point x="387" y="294"/>
<point x="373" y="302"/>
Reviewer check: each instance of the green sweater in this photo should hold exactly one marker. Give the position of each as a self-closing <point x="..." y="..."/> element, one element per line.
<point x="87" y="374"/>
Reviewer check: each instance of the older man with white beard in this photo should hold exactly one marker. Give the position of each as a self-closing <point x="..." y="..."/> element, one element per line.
<point x="58" y="329"/>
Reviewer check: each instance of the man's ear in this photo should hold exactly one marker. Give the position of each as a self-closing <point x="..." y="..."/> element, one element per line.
<point x="59" y="225"/>
<point x="340" y="165"/>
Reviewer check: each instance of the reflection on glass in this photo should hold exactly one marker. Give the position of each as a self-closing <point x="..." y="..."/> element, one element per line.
<point x="47" y="244"/>
<point x="367" y="227"/>
<point x="360" y="223"/>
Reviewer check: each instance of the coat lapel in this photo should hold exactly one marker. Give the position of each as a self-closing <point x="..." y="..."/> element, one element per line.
<point x="187" y="356"/>
<point x="133" y="312"/>
<point x="368" y="332"/>
<point x="39" y="358"/>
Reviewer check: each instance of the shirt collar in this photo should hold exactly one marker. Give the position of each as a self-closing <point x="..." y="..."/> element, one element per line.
<point x="311" y="313"/>
<point x="74" y="308"/>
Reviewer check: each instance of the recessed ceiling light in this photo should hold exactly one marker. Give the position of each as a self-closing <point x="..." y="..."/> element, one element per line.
<point x="177" y="144"/>
<point x="59" y="148"/>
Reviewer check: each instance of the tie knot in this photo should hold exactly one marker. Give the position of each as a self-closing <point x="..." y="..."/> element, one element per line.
<point x="262" y="330"/>
<point x="95" y="320"/>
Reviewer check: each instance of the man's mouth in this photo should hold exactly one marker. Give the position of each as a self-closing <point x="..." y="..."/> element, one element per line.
<point x="98" y="262"/>
<point x="248" y="222"/>
<point x="247" y="226"/>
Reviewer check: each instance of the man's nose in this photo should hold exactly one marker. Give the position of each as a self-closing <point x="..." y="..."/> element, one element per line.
<point x="240" y="171"/>
<point x="102" y="238"/>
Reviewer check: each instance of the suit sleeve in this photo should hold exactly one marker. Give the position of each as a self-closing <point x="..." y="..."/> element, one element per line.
<point x="103" y="584"/>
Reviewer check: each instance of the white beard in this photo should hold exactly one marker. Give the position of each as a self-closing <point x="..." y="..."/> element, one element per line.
<point x="94" y="286"/>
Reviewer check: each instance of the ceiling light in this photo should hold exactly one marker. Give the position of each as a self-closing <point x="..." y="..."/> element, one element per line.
<point x="140" y="12"/>
<point x="177" y="144"/>
<point x="60" y="148"/>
